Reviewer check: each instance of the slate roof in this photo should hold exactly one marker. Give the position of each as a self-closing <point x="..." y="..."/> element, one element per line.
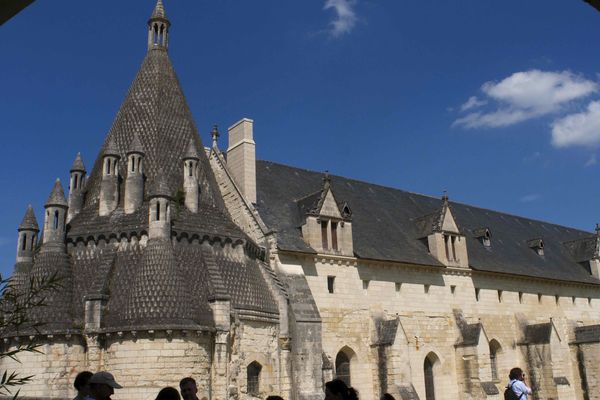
<point x="29" y="221"/>
<point x="158" y="284"/>
<point x="385" y="225"/>
<point x="57" y="195"/>
<point x="78" y="164"/>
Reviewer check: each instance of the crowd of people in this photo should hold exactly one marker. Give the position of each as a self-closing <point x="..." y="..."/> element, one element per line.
<point x="102" y="385"/>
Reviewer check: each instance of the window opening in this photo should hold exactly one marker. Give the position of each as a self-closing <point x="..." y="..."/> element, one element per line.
<point x="499" y="296"/>
<point x="330" y="283"/>
<point x="253" y="378"/>
<point x="446" y="246"/>
<point x="334" y="243"/>
<point x="426" y="288"/>
<point x="342" y="368"/>
<point x="365" y="284"/>
<point x="157" y="211"/>
<point x="521" y="297"/>
<point x="429" y="383"/>
<point x="324" y="235"/>
<point x="453" y="289"/>
<point x="477" y="294"/>
<point x="453" y="241"/>
<point x="494" y="350"/>
<point x="24" y="239"/>
<point x="56" y="219"/>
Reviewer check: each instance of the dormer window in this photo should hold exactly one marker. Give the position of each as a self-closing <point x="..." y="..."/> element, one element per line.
<point x="484" y="236"/>
<point x="537" y="245"/>
<point x="450" y="245"/>
<point x="334" y="242"/>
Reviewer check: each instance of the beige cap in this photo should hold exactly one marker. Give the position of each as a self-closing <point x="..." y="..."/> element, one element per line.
<point x="105" y="377"/>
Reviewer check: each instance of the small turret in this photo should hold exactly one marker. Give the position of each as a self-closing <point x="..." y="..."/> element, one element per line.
<point x="55" y="217"/>
<point x="134" y="184"/>
<point x="158" y="28"/>
<point x="76" y="185"/>
<point x="159" y="210"/>
<point x="28" y="231"/>
<point x="215" y="137"/>
<point x="190" y="177"/>
<point x="109" y="187"/>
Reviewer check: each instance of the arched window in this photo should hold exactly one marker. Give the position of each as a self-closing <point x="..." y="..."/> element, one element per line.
<point x="342" y="367"/>
<point x="429" y="367"/>
<point x="494" y="350"/>
<point x="253" y="378"/>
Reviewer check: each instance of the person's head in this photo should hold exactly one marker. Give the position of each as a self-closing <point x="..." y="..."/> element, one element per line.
<point x="516" y="373"/>
<point x="336" y="390"/>
<point x="82" y="383"/>
<point x="188" y="388"/>
<point x="168" y="393"/>
<point x="387" y="396"/>
<point x="103" y="385"/>
<point x="274" y="398"/>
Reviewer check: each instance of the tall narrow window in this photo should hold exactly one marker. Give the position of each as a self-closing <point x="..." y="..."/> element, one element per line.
<point x="330" y="283"/>
<point x="56" y="219"/>
<point x="157" y="211"/>
<point x="334" y="243"/>
<point x="107" y="163"/>
<point x="75" y="181"/>
<point x="453" y="240"/>
<point x="190" y="169"/>
<point x="494" y="350"/>
<point x="446" y="238"/>
<point x="429" y="383"/>
<point x="342" y="367"/>
<point x="324" y="242"/>
<point x="24" y="239"/>
<point x="253" y="378"/>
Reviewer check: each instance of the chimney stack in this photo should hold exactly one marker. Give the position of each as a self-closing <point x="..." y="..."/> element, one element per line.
<point x="241" y="157"/>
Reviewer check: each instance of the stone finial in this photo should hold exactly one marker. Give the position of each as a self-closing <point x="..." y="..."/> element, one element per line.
<point x="159" y="11"/>
<point x="445" y="196"/>
<point x="111" y="149"/>
<point x="214" y="133"/>
<point x="136" y="145"/>
<point x="78" y="164"/>
<point x="57" y="196"/>
<point x="29" y="221"/>
<point x="191" y="153"/>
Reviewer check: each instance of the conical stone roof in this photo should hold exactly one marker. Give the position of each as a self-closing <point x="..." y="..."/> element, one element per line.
<point x="78" y="164"/>
<point x="57" y="196"/>
<point x="191" y="152"/>
<point x="136" y="146"/>
<point x="29" y="221"/>
<point x="159" y="11"/>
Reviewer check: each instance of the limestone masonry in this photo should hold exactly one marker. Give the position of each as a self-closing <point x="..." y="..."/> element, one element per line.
<point x="257" y="278"/>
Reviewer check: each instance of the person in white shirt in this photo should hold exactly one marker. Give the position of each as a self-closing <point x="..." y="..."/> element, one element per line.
<point x="517" y="384"/>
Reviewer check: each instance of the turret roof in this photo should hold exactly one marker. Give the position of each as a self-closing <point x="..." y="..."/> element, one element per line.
<point x="78" y="164"/>
<point x="159" y="11"/>
<point x="57" y="196"/>
<point x="29" y="221"/>
<point x="135" y="146"/>
<point x="191" y="152"/>
<point x="160" y="187"/>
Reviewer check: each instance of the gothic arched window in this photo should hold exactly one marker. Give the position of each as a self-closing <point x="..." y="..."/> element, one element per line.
<point x="342" y="367"/>
<point x="253" y="378"/>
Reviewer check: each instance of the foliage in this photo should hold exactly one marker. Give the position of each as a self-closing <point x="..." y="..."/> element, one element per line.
<point x="16" y="305"/>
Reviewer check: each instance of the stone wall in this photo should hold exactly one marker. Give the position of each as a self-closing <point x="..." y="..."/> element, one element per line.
<point x="423" y="298"/>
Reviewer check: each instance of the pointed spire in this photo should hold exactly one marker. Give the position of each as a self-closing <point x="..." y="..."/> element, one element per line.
<point x="111" y="148"/>
<point x="215" y="136"/>
<point x="191" y="152"/>
<point x="135" y="146"/>
<point x="57" y="196"/>
<point x="29" y="221"/>
<point x="445" y="197"/>
<point x="159" y="11"/>
<point x="78" y="164"/>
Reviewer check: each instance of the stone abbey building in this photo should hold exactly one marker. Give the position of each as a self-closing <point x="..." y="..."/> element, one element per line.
<point x="257" y="278"/>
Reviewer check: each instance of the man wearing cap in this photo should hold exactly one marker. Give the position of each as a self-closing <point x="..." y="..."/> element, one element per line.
<point x="102" y="385"/>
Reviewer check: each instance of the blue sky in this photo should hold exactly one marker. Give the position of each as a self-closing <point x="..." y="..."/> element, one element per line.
<point x="496" y="102"/>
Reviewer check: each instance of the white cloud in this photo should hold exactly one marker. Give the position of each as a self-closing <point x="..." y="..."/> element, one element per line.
<point x="529" y="198"/>
<point x="591" y="161"/>
<point x="526" y="95"/>
<point x="581" y="129"/>
<point x="473" y="102"/>
<point x="345" y="16"/>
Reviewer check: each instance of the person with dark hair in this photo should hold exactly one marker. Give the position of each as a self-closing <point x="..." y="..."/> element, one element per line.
<point x="103" y="385"/>
<point x="338" y="390"/>
<point x="188" y="388"/>
<point x="516" y="388"/>
<point x="274" y="397"/>
<point x="82" y="385"/>
<point x="168" y="393"/>
<point x="387" y="396"/>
